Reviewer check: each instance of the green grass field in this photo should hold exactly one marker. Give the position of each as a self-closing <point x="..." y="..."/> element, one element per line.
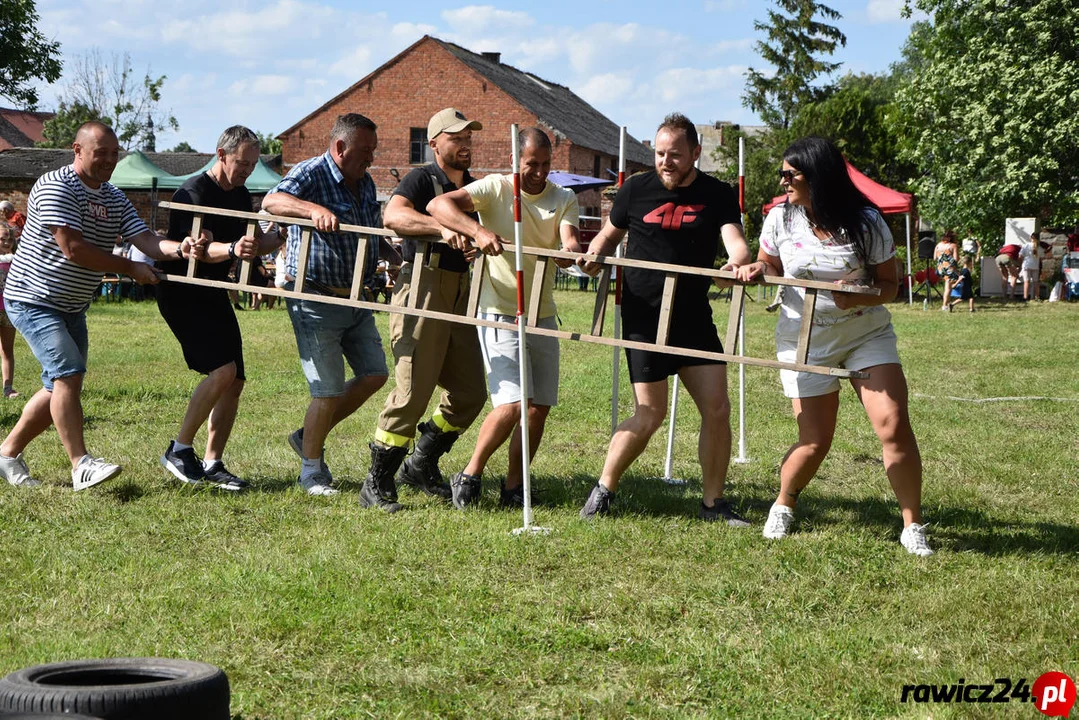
<point x="316" y="608"/>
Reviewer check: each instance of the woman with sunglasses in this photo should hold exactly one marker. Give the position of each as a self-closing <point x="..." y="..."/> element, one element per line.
<point x="828" y="230"/>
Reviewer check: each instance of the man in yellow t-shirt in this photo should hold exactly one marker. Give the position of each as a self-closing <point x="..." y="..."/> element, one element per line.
<point x="549" y="220"/>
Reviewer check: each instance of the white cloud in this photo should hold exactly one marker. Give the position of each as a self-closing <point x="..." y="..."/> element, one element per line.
<point x="681" y="83"/>
<point x="711" y="6"/>
<point x="263" y="86"/>
<point x="483" y="18"/>
<point x="884" y="11"/>
<point x="354" y="65"/>
<point x="605" y="88"/>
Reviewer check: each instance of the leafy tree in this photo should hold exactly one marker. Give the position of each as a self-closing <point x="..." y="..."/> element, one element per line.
<point x="112" y="93"/>
<point x="25" y="54"/>
<point x="797" y="43"/>
<point x="762" y="160"/>
<point x="795" y="46"/>
<point x="268" y="144"/>
<point x="183" y="147"/>
<point x="989" y="112"/>
<point x="858" y="116"/>
<point x="59" y="131"/>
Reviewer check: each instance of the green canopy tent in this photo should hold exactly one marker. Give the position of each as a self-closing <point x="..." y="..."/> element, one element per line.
<point x="262" y="179"/>
<point x="136" y="172"/>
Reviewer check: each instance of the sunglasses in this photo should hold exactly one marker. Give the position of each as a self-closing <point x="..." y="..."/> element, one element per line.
<point x="788" y="175"/>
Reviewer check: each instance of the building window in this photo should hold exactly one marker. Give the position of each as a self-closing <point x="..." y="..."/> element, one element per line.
<point x="419" y="151"/>
<point x="596" y="166"/>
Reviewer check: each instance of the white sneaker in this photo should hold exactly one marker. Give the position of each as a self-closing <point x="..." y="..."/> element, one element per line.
<point x="914" y="540"/>
<point x="91" y="471"/>
<point x="14" y="470"/>
<point x="778" y="525"/>
<point x="318" y="484"/>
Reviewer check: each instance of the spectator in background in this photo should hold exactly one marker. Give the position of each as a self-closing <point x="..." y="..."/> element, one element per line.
<point x="1073" y="240"/>
<point x="946" y="256"/>
<point x="12" y="217"/>
<point x="971" y="247"/>
<point x="1008" y="265"/>
<point x="964" y="286"/>
<point x="7" y="330"/>
<point x="1030" y="259"/>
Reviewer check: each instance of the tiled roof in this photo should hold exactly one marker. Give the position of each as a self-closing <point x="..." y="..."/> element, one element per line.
<point x="20" y="162"/>
<point x="555" y="105"/>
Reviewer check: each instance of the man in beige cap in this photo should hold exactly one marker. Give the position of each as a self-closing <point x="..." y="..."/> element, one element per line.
<point x="429" y="352"/>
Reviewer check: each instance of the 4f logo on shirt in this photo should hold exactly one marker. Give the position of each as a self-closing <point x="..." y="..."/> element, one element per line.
<point x="97" y="210"/>
<point x="670" y="216"/>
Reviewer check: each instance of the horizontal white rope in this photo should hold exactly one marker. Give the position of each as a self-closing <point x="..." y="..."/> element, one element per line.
<point x="1020" y="398"/>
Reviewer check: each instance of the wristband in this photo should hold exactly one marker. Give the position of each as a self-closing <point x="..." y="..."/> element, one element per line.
<point x="232" y="250"/>
<point x="180" y="250"/>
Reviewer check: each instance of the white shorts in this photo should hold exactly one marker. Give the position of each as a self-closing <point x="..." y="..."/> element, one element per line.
<point x="1029" y="275"/>
<point x="856" y="343"/>
<point x="500" y="360"/>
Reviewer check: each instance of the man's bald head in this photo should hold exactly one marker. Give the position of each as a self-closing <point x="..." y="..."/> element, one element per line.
<point x="96" y="152"/>
<point x="93" y="130"/>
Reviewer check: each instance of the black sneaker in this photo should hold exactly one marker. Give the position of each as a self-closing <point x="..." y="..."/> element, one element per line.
<point x="598" y="502"/>
<point x="513" y="497"/>
<point x="466" y="490"/>
<point x="219" y="476"/>
<point x="184" y="464"/>
<point x="372" y="496"/>
<point x="722" y="510"/>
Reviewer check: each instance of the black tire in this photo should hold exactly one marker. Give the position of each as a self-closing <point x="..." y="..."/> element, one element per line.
<point x="45" y="716"/>
<point x="120" y="689"/>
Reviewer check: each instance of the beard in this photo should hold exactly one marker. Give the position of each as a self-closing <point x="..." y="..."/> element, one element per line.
<point x="458" y="163"/>
<point x="670" y="182"/>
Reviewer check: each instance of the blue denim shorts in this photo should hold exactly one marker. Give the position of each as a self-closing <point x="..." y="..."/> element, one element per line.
<point x="327" y="335"/>
<point x="57" y="338"/>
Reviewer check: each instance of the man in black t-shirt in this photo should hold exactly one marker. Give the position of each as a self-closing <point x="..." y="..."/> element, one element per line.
<point x="202" y="318"/>
<point x="674" y="215"/>
<point x="429" y="352"/>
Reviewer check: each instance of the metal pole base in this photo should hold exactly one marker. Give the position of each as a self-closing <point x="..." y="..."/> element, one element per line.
<point x="673" y="481"/>
<point x="531" y="530"/>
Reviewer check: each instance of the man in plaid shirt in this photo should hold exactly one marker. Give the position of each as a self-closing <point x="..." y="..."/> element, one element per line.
<point x="331" y="190"/>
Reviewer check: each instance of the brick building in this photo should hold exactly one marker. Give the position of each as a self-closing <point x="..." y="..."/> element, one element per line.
<point x="401" y="95"/>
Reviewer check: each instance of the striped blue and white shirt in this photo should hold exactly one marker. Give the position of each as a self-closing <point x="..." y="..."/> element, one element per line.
<point x="333" y="255"/>
<point x="40" y="274"/>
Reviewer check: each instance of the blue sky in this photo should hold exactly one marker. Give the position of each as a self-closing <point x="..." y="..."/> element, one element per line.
<point x="267" y="64"/>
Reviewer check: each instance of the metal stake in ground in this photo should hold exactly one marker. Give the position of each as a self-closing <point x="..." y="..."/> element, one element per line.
<point x="522" y="339"/>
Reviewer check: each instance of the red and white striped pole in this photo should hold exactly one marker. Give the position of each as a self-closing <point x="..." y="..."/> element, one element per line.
<point x="741" y="318"/>
<point x="522" y="341"/>
<point x="615" y="353"/>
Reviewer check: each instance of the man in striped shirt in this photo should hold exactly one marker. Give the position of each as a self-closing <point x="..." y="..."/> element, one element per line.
<point x="74" y="218"/>
<point x="331" y="190"/>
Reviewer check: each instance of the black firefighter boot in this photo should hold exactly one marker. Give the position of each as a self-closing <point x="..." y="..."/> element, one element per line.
<point x="379" y="489"/>
<point x="420" y="470"/>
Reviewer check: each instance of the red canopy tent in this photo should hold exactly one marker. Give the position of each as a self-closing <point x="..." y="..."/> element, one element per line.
<point x="890" y="202"/>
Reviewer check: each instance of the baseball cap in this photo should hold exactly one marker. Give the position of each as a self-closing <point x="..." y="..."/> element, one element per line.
<point x="450" y="120"/>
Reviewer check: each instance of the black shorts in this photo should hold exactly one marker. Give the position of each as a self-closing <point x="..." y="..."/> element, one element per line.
<point x="203" y="320"/>
<point x="690" y="328"/>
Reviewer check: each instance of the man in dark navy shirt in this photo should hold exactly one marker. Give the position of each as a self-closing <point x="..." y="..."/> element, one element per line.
<point x="202" y="318"/>
<point x="677" y="215"/>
